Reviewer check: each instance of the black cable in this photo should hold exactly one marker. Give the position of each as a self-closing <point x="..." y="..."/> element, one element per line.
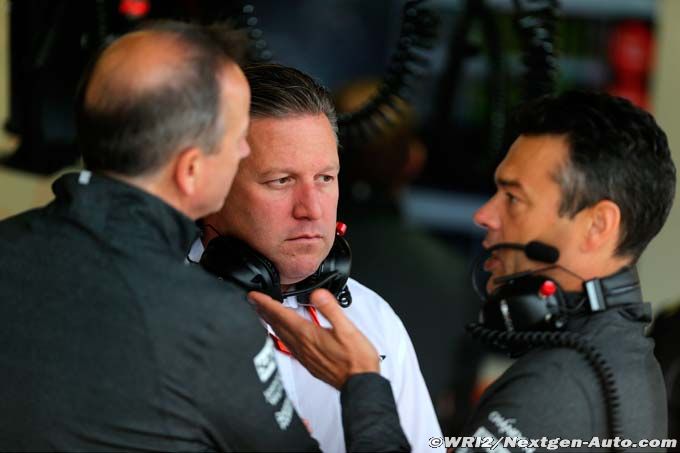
<point x="49" y="38"/>
<point x="535" y="23"/>
<point x="417" y="34"/>
<point x="207" y="225"/>
<point x="407" y="64"/>
<point x="101" y="23"/>
<point x="508" y="340"/>
<point x="460" y="48"/>
<point x="258" y="51"/>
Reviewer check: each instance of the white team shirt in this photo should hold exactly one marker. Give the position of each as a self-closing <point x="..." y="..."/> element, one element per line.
<point x="319" y="403"/>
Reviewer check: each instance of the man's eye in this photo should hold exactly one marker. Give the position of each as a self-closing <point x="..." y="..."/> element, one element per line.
<point x="279" y="181"/>
<point x="511" y="198"/>
<point x="327" y="178"/>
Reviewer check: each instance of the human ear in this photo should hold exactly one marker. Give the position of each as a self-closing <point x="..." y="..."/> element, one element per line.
<point x="604" y="225"/>
<point x="188" y="166"/>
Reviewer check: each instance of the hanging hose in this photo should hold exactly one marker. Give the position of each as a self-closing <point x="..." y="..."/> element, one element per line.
<point x="535" y="23"/>
<point x="258" y="50"/>
<point x="418" y="33"/>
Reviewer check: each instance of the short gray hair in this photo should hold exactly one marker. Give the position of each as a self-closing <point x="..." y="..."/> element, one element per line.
<point x="279" y="91"/>
<point x="135" y="134"/>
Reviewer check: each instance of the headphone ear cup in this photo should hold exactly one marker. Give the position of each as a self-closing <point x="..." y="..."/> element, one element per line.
<point x="338" y="262"/>
<point x="233" y="260"/>
<point x="519" y="306"/>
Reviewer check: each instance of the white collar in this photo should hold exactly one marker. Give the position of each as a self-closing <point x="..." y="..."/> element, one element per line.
<point x="196" y="251"/>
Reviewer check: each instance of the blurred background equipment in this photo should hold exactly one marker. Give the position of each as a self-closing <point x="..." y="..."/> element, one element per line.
<point x="365" y="118"/>
<point x="462" y="81"/>
<point x="46" y="59"/>
<point x="442" y="74"/>
<point x="51" y="41"/>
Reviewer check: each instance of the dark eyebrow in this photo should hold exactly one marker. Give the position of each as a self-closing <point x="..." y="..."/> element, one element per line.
<point x="511" y="184"/>
<point x="500" y="182"/>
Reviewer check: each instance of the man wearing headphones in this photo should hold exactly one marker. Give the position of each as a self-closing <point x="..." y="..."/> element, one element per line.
<point x="590" y="175"/>
<point x="108" y="340"/>
<point x="591" y="179"/>
<point x="280" y="216"/>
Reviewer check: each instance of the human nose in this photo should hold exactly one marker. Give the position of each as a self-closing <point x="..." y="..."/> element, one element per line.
<point x="487" y="216"/>
<point x="307" y="203"/>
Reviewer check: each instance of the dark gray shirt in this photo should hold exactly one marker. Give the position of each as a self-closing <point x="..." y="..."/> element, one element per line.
<point x="554" y="392"/>
<point x="108" y="341"/>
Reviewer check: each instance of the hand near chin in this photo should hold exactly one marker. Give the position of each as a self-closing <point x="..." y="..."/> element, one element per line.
<point x="332" y="354"/>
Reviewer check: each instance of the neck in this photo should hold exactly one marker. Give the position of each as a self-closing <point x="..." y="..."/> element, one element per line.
<point x="208" y="234"/>
<point x="286" y="288"/>
<point x="607" y="267"/>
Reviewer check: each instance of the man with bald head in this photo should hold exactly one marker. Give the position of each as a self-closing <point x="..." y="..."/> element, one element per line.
<point x="104" y="343"/>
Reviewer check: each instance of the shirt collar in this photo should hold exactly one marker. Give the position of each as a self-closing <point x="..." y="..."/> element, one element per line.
<point x="117" y="211"/>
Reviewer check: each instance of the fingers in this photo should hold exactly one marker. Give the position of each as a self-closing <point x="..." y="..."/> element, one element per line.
<point x="275" y="314"/>
<point x="266" y="306"/>
<point x="329" y="307"/>
<point x="330" y="355"/>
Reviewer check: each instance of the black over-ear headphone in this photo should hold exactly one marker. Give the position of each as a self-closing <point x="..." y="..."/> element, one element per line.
<point x="232" y="259"/>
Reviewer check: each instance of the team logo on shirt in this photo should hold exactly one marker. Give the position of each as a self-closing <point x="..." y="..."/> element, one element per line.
<point x="265" y="366"/>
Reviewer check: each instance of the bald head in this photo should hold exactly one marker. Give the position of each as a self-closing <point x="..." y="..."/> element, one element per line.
<point x="152" y="93"/>
<point x="139" y="62"/>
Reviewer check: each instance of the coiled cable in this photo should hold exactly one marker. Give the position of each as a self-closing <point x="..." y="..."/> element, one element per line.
<point x="258" y="49"/>
<point x="418" y="33"/>
<point x="535" y="23"/>
<point x="509" y="340"/>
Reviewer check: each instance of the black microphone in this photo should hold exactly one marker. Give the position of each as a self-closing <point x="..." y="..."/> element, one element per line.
<point x="534" y="250"/>
<point x="538" y="251"/>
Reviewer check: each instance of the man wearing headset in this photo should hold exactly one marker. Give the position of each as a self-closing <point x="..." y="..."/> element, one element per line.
<point x="283" y="206"/>
<point x="590" y="175"/>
